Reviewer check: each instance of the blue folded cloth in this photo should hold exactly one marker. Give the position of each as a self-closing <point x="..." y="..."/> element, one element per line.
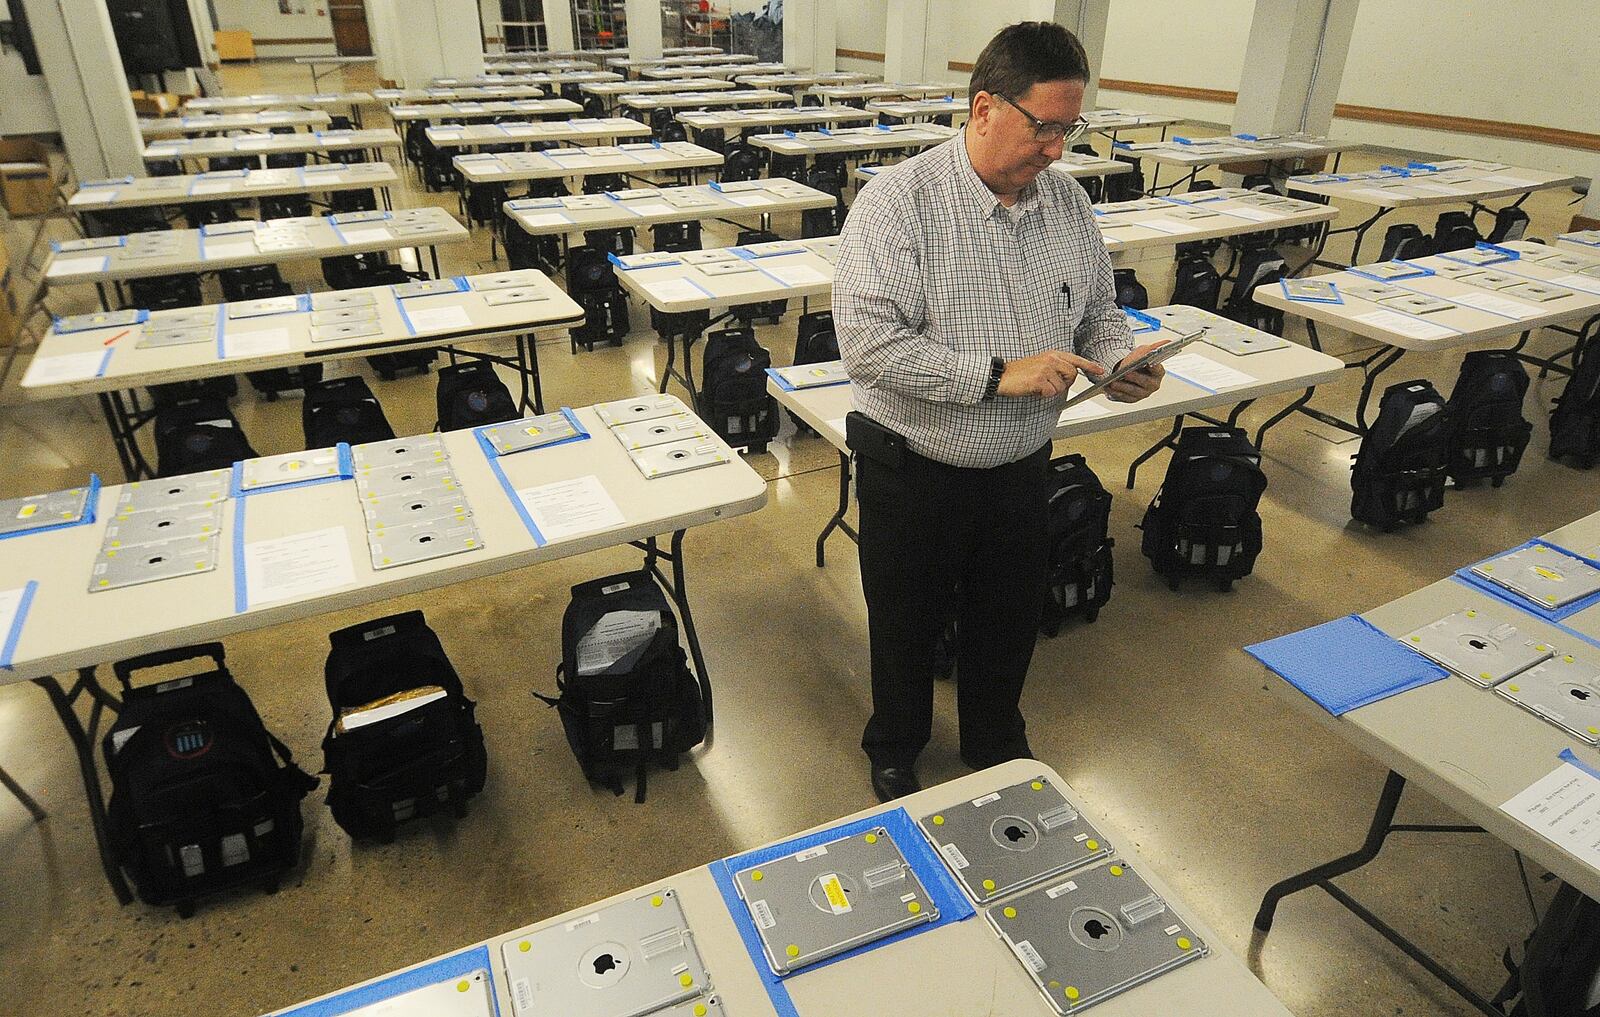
<point x="1345" y="664"/>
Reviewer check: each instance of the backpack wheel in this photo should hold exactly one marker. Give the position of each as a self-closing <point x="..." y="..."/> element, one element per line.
<point x="1497" y="481"/>
<point x="1089" y="616"/>
<point x="1172" y="583"/>
<point x="186" y="909"/>
<point x="269" y="885"/>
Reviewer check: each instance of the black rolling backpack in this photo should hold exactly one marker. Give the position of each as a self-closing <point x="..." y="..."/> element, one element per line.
<point x="408" y="762"/>
<point x="1490" y="431"/>
<point x="1080" y="550"/>
<point x="1404" y="241"/>
<point x="815" y="343"/>
<point x="733" y="389"/>
<point x="342" y="410"/>
<point x="1454" y="231"/>
<point x="1130" y="291"/>
<point x="1203" y="523"/>
<point x="1258" y="266"/>
<point x="1509" y="224"/>
<point x="1560" y="969"/>
<point x="194" y="435"/>
<point x="1401" y="466"/>
<point x="605" y="701"/>
<point x="1575" y="421"/>
<point x="203" y="798"/>
<point x="1196" y="281"/>
<point x="470" y="395"/>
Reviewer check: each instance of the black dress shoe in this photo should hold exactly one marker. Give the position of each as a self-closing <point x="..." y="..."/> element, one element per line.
<point x="891" y="782"/>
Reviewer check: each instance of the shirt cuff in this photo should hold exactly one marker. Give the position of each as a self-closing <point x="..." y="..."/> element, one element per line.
<point x="970" y="378"/>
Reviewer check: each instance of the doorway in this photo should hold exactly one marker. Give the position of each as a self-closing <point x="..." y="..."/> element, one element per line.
<point x="350" y="36"/>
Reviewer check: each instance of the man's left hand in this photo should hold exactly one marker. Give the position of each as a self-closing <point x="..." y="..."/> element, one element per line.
<point x="1140" y="384"/>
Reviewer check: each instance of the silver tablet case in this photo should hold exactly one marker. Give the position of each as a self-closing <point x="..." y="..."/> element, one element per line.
<point x="1537" y="292"/>
<point x="1374" y="291"/>
<point x="405" y="509"/>
<point x="1086" y="939"/>
<point x="1013" y="838"/>
<point x="706" y="1006"/>
<point x="1477" y="646"/>
<point x="623" y="960"/>
<point x="343" y="218"/>
<point x="524" y="295"/>
<point x="708" y="257"/>
<point x="288" y="468"/>
<point x="18" y="515"/>
<point x="715" y="268"/>
<point x="345" y="315"/>
<point x="802" y="376"/>
<point x="333" y="301"/>
<point x="190" y="336"/>
<point x="190" y="489"/>
<point x="517" y="279"/>
<point x="678" y="457"/>
<point x="1416" y="303"/>
<point x="424" y="288"/>
<point x="834" y="897"/>
<point x="266" y="305"/>
<point x="1386" y="269"/>
<point x="439" y="999"/>
<point x="529" y="432"/>
<point x="381" y="482"/>
<point x="99" y="319"/>
<point x="424" y="448"/>
<point x="1542" y="575"/>
<point x="622" y="411"/>
<point x="1562" y="690"/>
<point x="152" y="527"/>
<point x="346" y="330"/>
<point x="661" y="430"/>
<point x="418" y="229"/>
<point x="1489" y="279"/>
<point x="392" y="546"/>
<point x="186" y="317"/>
<point x="131" y="566"/>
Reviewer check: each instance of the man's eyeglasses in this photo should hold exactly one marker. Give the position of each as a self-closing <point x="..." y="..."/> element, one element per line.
<point x="1048" y="132"/>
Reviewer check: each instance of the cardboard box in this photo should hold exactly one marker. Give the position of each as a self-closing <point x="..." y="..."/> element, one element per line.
<point x="235" y="45"/>
<point x="155" y="104"/>
<point x="26" y="184"/>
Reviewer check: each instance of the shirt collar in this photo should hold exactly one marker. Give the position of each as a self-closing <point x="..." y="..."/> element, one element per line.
<point x="977" y="193"/>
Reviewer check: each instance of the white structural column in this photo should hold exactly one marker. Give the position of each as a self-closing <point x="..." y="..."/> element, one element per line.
<point x="83" y="70"/>
<point x="1293" y="64"/>
<point x="558" y="31"/>
<point x="419" y="40"/>
<point x="1087" y="20"/>
<point x="644" y="29"/>
<point x="914" y="43"/>
<point x="810" y="34"/>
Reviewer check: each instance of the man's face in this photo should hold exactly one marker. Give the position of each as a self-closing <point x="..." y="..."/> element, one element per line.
<point x="1010" y="154"/>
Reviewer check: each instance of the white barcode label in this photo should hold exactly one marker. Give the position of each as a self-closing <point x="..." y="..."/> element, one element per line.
<point x="763" y="914"/>
<point x="1030" y="956"/>
<point x="613" y="588"/>
<point x="985" y="800"/>
<point x="816" y="852"/>
<point x="1056" y="891"/>
<point x="1080" y="838"/>
<point x="522" y="995"/>
<point x="578" y="923"/>
<point x="1173" y="930"/>
<point x="953" y="855"/>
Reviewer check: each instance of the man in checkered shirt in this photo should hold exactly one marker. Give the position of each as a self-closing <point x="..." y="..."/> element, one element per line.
<point x="971" y="290"/>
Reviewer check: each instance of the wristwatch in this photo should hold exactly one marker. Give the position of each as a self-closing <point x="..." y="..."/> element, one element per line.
<point x="997" y="367"/>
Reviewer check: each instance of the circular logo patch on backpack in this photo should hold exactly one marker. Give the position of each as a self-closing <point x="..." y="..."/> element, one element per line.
<point x="189" y="739"/>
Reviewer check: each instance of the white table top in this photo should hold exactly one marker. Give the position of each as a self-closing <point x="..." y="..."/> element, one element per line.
<point x="68" y="627"/>
<point x="1271" y="371"/>
<point x="589" y="129"/>
<point x="713" y="70"/>
<point x="615" y="88"/>
<point x="531" y="78"/>
<point x="522" y="66"/>
<point x="778" y="116"/>
<point x="801" y="79"/>
<point x="230" y="185"/>
<point x="784" y="269"/>
<point x="1107" y="121"/>
<point x="1072" y="164"/>
<point x="1582" y="241"/>
<point x="647" y="206"/>
<point x="336" y="60"/>
<point x="682" y="60"/>
<point x="635" y="157"/>
<point x="1438" y="736"/>
<point x="887" y="90"/>
<point x="131" y="366"/>
<point x="270" y="144"/>
<point x="909" y="109"/>
<point x="436" y="111"/>
<point x="696" y="100"/>
<point x="677" y="51"/>
<point x="1461" y="325"/>
<point x="1156" y="222"/>
<point x="962" y="965"/>
<point x="592" y="55"/>
<point x="213" y="123"/>
<point x="314" y="100"/>
<point x="854" y="139"/>
<point x="457" y="93"/>
<point x="1454" y="181"/>
<point x="220" y="246"/>
<point x="1222" y="150"/>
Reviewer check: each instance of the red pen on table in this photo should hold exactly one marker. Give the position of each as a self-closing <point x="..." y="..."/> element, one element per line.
<point x="119" y="335"/>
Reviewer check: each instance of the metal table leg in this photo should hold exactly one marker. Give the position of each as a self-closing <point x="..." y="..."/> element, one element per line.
<point x="83" y="741"/>
<point x="1322" y="875"/>
<point x="38" y="814"/>
<point x="124" y="424"/>
<point x="677" y="588"/>
<point x="1372" y="366"/>
<point x="838" y="520"/>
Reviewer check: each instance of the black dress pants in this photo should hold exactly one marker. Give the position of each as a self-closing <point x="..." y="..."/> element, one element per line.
<point x="937" y="542"/>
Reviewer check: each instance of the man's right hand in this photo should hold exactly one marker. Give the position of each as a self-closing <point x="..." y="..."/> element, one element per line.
<point x="1048" y="375"/>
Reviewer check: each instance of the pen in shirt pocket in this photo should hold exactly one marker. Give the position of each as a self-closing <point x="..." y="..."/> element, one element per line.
<point x="1066" y="290"/>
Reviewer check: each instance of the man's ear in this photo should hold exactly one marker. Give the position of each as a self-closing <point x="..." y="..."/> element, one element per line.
<point x="982" y="112"/>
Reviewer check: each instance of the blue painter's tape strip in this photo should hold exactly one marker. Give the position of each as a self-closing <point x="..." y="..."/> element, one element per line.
<point x="1186" y="141"/>
<point x="9" y="649"/>
<point x="505" y="485"/>
<point x="1140" y="316"/>
<point x="400" y="305"/>
<point x="222" y="319"/>
<point x="445" y="969"/>
<point x="952" y="904"/>
<point x="241" y="586"/>
<point x="772" y="372"/>
<point x="619" y="263"/>
<point x="1428" y="166"/>
<point x="1418" y="271"/>
<point x="1568" y="756"/>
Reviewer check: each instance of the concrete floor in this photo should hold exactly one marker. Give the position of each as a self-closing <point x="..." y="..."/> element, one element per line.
<point x="1153" y="713"/>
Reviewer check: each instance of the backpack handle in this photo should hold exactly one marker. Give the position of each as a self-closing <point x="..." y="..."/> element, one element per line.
<point x="124" y="669"/>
